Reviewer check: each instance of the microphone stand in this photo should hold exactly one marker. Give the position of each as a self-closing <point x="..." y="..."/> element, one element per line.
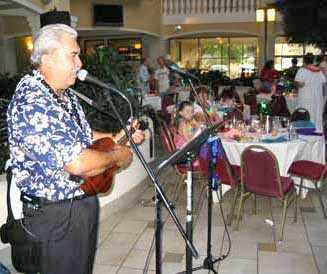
<point x="161" y="196"/>
<point x="214" y="143"/>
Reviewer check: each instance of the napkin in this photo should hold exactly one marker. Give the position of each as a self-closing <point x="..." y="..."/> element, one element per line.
<point x="308" y="131"/>
<point x="303" y="124"/>
<point x="276" y="140"/>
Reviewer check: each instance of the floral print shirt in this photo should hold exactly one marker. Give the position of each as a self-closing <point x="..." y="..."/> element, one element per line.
<point x="45" y="133"/>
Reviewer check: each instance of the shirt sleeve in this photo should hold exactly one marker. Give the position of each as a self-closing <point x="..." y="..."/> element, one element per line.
<point x="300" y="75"/>
<point x="156" y="75"/>
<point x="322" y="77"/>
<point x="45" y="135"/>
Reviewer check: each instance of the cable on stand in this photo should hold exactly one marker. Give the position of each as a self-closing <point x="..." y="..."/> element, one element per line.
<point x="214" y="143"/>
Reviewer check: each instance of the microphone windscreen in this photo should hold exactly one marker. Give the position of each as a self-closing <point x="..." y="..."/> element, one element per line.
<point x="81" y="74"/>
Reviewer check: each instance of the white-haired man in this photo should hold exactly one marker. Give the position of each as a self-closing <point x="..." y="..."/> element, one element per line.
<point x="48" y="137"/>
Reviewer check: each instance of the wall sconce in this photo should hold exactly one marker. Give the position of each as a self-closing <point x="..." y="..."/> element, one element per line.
<point x="260" y="15"/>
<point x="137" y="45"/>
<point x="178" y="27"/>
<point x="29" y="43"/>
<point x="271" y="15"/>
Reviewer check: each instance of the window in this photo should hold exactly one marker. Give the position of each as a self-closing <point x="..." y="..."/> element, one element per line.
<point x="285" y="52"/>
<point x="231" y="56"/>
<point x="130" y="48"/>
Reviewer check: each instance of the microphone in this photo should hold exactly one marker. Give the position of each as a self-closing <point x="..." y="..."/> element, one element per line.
<point x="83" y="75"/>
<point x="182" y="71"/>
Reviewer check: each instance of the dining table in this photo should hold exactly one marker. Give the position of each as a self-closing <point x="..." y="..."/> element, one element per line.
<point x="303" y="147"/>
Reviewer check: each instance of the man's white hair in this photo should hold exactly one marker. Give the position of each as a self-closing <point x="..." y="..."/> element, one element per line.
<point x="48" y="39"/>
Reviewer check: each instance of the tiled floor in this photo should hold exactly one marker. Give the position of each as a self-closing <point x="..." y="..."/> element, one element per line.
<point x="125" y="238"/>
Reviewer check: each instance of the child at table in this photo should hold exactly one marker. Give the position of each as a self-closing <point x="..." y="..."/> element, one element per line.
<point x="186" y="127"/>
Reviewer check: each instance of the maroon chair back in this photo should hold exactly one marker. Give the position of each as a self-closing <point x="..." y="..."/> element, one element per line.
<point x="223" y="168"/>
<point x="260" y="172"/>
<point x="279" y="106"/>
<point x="235" y="113"/>
<point x="300" y="114"/>
<point x="251" y="100"/>
<point x="166" y="137"/>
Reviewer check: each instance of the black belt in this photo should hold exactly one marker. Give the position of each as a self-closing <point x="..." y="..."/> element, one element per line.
<point x="39" y="201"/>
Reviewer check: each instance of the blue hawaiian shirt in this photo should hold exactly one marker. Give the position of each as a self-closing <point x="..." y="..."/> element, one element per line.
<point x="45" y="134"/>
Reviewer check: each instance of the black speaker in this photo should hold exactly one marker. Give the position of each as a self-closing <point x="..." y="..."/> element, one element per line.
<point x="55" y="17"/>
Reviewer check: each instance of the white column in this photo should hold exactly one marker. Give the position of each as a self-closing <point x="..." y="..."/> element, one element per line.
<point x="9" y="58"/>
<point x="34" y="23"/>
<point x="2" y="49"/>
<point x="73" y="21"/>
<point x="182" y="7"/>
<point x="164" y="47"/>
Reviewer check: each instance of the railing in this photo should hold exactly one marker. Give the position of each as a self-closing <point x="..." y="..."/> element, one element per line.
<point x="184" y="8"/>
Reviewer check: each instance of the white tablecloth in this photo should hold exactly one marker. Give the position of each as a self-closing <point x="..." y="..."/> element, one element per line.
<point x="291" y="101"/>
<point x="153" y="100"/>
<point x="305" y="148"/>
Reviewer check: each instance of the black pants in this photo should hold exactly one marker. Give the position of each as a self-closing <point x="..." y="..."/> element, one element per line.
<point x="68" y="233"/>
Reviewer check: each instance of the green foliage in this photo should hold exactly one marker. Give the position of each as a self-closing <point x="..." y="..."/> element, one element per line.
<point x="305" y="21"/>
<point x="110" y="67"/>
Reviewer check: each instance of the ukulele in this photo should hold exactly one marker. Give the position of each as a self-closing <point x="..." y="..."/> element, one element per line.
<point x="102" y="183"/>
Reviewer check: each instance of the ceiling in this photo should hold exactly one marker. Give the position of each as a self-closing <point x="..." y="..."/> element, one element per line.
<point x="18" y="8"/>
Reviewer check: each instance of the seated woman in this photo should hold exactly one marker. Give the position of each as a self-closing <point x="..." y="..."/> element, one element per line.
<point x="230" y="96"/>
<point x="198" y="112"/>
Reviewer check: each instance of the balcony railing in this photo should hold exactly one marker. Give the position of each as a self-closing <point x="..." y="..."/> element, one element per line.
<point x="208" y="11"/>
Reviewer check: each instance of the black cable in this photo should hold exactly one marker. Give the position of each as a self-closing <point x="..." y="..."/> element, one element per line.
<point x="224" y="256"/>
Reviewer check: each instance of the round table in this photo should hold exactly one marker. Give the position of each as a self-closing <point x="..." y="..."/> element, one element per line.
<point x="305" y="148"/>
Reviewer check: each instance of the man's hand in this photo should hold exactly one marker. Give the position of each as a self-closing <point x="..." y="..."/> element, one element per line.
<point x="123" y="155"/>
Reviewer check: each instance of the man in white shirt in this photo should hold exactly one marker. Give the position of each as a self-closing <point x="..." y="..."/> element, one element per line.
<point x="144" y="75"/>
<point x="162" y="76"/>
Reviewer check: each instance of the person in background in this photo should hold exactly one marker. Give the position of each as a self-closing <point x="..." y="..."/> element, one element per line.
<point x="198" y="112"/>
<point x="143" y="77"/>
<point x="269" y="76"/>
<point x="293" y="69"/>
<point x="323" y="65"/>
<point x="309" y="80"/>
<point x="161" y="75"/>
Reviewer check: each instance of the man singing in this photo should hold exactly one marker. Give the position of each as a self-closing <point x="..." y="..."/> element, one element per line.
<point x="50" y="137"/>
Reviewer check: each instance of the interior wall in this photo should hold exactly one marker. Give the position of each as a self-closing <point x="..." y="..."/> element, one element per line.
<point x="141" y="15"/>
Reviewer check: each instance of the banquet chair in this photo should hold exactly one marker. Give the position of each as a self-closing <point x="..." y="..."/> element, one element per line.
<point x="311" y="171"/>
<point x="234" y="113"/>
<point x="300" y="114"/>
<point x="229" y="175"/>
<point x="167" y="139"/>
<point x="279" y="106"/>
<point x="260" y="176"/>
<point x="250" y="99"/>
